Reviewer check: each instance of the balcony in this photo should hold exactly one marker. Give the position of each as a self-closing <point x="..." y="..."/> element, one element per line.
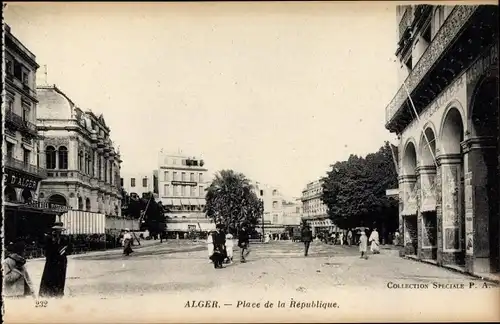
<point x="466" y="32"/>
<point x="16" y="164"/>
<point x="17" y="122"/>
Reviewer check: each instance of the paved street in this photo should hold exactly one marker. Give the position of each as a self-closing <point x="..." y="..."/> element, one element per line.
<point x="161" y="277"/>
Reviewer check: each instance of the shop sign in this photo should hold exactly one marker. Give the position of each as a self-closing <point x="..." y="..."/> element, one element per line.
<point x="184" y="183"/>
<point x="20" y="180"/>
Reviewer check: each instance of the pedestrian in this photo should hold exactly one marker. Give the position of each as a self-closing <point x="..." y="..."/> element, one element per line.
<point x="267" y="238"/>
<point x="306" y="238"/>
<point x="229" y="247"/>
<point x="363" y="244"/>
<point x="243" y="243"/>
<point x="17" y="282"/>
<point x="210" y="245"/>
<point x="341" y="238"/>
<point x="219" y="241"/>
<point x="127" y="242"/>
<point x="57" y="248"/>
<point x="349" y="237"/>
<point x="375" y="242"/>
<point x="396" y="238"/>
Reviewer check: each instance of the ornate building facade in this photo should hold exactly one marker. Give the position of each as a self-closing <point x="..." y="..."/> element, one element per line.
<point x="445" y="114"/>
<point x="83" y="164"/>
<point x="25" y="216"/>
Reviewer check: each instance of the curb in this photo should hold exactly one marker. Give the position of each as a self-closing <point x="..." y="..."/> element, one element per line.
<point x="447" y="267"/>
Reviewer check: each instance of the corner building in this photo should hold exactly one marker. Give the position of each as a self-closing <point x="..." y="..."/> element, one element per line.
<point x="25" y="216"/>
<point x="448" y="156"/>
<point x="83" y="165"/>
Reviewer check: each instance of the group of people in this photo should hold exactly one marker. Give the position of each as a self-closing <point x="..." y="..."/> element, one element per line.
<point x="374" y="241"/>
<point x="17" y="281"/>
<point x="220" y="246"/>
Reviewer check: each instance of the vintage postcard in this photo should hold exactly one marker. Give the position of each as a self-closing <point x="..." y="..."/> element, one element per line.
<point x="250" y="162"/>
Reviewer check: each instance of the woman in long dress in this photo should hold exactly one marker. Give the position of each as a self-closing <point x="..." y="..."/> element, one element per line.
<point x="375" y="242"/>
<point x="57" y="248"/>
<point x="363" y="244"/>
<point x="210" y="245"/>
<point x="127" y="242"/>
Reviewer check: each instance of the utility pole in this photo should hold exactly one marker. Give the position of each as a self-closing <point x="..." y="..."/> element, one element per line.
<point x="46" y="73"/>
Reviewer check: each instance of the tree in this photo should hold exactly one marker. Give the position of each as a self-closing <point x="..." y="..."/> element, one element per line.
<point x="230" y="201"/>
<point x="354" y="191"/>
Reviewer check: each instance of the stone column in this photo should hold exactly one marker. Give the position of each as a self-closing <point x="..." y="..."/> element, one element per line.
<point x="451" y="209"/>
<point x="427" y="212"/>
<point x="409" y="211"/>
<point x="481" y="204"/>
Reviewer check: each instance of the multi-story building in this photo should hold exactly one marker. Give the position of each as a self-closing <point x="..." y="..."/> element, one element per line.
<point x="445" y="113"/>
<point x="138" y="183"/>
<point x="292" y="212"/>
<point x="315" y="212"/>
<point x="24" y="214"/>
<point x="182" y="181"/>
<point x="83" y="164"/>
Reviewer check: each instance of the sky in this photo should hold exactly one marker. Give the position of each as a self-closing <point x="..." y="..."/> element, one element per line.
<point x="277" y="91"/>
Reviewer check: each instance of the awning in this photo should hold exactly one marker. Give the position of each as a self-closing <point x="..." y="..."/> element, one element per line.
<point x="167" y="202"/>
<point x="185" y="202"/>
<point x="428" y="207"/>
<point x="173" y="227"/>
<point x="176" y="202"/>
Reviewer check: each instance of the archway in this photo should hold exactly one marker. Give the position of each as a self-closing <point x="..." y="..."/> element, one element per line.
<point x="87" y="204"/>
<point x="410" y="221"/>
<point x="10" y="194"/>
<point x="57" y="199"/>
<point x="427" y="178"/>
<point x="27" y="196"/>
<point x="483" y="160"/>
<point x="452" y="192"/>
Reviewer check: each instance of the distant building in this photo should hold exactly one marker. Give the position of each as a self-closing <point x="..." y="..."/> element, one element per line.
<point x="138" y="183"/>
<point x="25" y="215"/>
<point x="182" y="183"/>
<point x="83" y="164"/>
<point x="278" y="213"/>
<point x="315" y="212"/>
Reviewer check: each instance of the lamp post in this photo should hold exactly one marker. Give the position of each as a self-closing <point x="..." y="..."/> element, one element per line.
<point x="262" y="209"/>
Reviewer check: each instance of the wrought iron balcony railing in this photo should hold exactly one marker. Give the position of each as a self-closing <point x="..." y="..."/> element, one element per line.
<point x="16" y="164"/>
<point x="21" y="124"/>
<point x="441" y="42"/>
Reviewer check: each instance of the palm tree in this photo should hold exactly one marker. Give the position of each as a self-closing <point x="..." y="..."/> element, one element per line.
<point x="230" y="201"/>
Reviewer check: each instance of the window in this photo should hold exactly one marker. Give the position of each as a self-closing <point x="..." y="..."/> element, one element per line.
<point x="105" y="170"/>
<point x="26" y="156"/>
<point x="200" y="191"/>
<point x="9" y="66"/>
<point x="80" y="160"/>
<point x="166" y="190"/>
<point x="17" y="70"/>
<point x="275" y="219"/>
<point x="99" y="167"/>
<point x="132" y="182"/>
<point x="25" y="78"/>
<point x="426" y="34"/>
<point x="26" y="111"/>
<point x="121" y="182"/>
<point x="63" y="158"/>
<point x="200" y="177"/>
<point x="262" y="193"/>
<point x="193" y="191"/>
<point x="10" y="150"/>
<point x="174" y="176"/>
<point x="176" y="190"/>
<point x="174" y="161"/>
<point x="183" y="162"/>
<point x="50" y="157"/>
<point x="184" y="190"/>
<point x="438" y="19"/>
<point x="191" y="177"/>
<point x="10" y="103"/>
<point x="145" y="182"/>
<point x="183" y="176"/>
<point x="165" y="176"/>
<point x="275" y="204"/>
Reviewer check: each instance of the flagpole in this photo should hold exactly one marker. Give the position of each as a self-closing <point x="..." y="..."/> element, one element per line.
<point x="418" y="119"/>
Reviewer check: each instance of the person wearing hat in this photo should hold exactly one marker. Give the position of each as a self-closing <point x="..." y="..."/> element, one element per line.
<point x="57" y="248"/>
<point x="307" y="237"/>
<point x="219" y="242"/>
<point x="127" y="242"/>
<point x="17" y="282"/>
<point x="243" y="243"/>
<point x="363" y="244"/>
